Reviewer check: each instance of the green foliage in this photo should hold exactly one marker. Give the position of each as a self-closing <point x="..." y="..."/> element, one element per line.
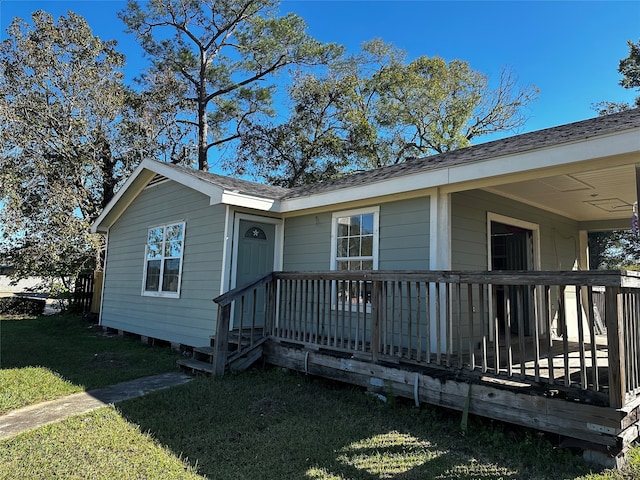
<point x="61" y="294"/>
<point x="375" y="109"/>
<point x="17" y="305"/>
<point x="60" y="100"/>
<point x="615" y="250"/>
<point x="629" y="68"/>
<point x="216" y="55"/>
<point x="72" y="132"/>
<point x="305" y="150"/>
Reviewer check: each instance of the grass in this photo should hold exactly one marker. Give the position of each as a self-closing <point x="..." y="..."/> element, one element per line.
<point x="270" y="424"/>
<point x="97" y="445"/>
<point x="262" y="424"/>
<point x="47" y="357"/>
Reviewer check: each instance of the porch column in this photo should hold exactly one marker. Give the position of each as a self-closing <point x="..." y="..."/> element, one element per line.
<point x="440" y="231"/>
<point x="440" y="259"/>
<point x="582" y="262"/>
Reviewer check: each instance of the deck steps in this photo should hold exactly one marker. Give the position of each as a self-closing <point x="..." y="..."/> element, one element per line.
<point x="204" y="354"/>
<point x="195" y="366"/>
<point x="244" y="361"/>
<point x="243" y="351"/>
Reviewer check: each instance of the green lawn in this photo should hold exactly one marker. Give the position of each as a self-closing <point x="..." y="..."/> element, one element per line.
<point x="262" y="424"/>
<point x="98" y="445"/>
<point x="269" y="424"/>
<point x="47" y="357"/>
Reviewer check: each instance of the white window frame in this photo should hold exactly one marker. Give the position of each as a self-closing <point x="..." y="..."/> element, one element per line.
<point x="350" y="213"/>
<point x="334" y="248"/>
<point x="160" y="292"/>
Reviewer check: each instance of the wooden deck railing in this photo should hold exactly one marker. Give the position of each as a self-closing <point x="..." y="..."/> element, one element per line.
<point x="245" y="310"/>
<point x="536" y="329"/>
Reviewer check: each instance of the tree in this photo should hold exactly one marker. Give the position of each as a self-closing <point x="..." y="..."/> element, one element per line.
<point x="67" y="140"/>
<point x="306" y="149"/>
<point x="378" y="110"/>
<point x="220" y="53"/>
<point x="629" y="68"/>
<point x="619" y="248"/>
<point x="614" y="250"/>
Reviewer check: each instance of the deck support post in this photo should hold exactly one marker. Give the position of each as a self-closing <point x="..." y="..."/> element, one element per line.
<point x="221" y="344"/>
<point x="615" y="344"/>
<point x="376" y="312"/>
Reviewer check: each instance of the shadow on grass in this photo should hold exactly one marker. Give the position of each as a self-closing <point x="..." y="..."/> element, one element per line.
<point x="267" y="424"/>
<point x="78" y="351"/>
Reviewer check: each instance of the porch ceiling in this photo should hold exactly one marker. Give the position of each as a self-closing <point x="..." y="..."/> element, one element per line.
<point x="594" y="195"/>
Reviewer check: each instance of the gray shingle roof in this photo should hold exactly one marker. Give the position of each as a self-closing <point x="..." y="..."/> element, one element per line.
<point x="237" y="184"/>
<point x="571" y="132"/>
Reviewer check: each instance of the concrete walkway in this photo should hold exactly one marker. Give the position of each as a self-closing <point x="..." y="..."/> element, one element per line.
<point x="34" y="416"/>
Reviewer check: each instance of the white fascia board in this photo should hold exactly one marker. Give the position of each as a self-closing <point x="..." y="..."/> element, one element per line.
<point x="549" y="157"/>
<point x="238" y="199"/>
<point x="206" y="188"/>
<point x="477" y="172"/>
<point x="118" y="199"/>
<point x="218" y="194"/>
<point x="392" y="186"/>
<point x="126" y="194"/>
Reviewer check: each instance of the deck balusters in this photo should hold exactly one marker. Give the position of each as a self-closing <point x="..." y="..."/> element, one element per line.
<point x="514" y="325"/>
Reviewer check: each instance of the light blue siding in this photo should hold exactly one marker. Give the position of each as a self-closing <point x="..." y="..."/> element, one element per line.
<point x="558" y="241"/>
<point x="559" y="244"/>
<point x="403" y="237"/>
<point x="307" y="242"/>
<point x="190" y="319"/>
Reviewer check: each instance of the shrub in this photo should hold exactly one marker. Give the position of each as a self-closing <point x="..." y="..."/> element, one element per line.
<point x="22" y="305"/>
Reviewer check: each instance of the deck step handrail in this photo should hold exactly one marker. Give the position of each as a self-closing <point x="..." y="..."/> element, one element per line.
<point x="231" y="295"/>
<point x="257" y="334"/>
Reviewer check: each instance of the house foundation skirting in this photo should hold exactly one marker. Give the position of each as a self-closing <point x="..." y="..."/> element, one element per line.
<point x="595" y="428"/>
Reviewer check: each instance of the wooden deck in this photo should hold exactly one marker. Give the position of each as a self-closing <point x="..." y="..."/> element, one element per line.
<point x="523" y="347"/>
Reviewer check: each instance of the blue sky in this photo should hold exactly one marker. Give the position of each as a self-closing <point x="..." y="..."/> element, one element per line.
<point x="569" y="50"/>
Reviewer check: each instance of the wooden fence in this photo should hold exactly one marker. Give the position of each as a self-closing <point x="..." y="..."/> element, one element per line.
<point x="83" y="292"/>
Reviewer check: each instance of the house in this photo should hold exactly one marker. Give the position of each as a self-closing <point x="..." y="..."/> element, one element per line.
<point x="10" y="286"/>
<point x="473" y="260"/>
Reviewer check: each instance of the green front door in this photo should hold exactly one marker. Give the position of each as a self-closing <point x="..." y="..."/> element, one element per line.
<point x="256" y="243"/>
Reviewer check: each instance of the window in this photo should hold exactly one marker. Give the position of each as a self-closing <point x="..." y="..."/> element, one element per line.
<point x="163" y="261"/>
<point x="255" y="233"/>
<point x="354" y="247"/>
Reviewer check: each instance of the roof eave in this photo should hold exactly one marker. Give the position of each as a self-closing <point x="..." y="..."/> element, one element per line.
<point x="481" y="173"/>
<point x="148" y="169"/>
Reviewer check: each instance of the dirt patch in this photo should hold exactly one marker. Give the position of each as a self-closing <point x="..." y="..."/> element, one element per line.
<point x="107" y="360"/>
<point x="267" y="406"/>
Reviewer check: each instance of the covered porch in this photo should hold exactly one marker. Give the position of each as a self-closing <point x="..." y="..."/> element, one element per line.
<point x="505" y="319"/>
<point x="555" y="351"/>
